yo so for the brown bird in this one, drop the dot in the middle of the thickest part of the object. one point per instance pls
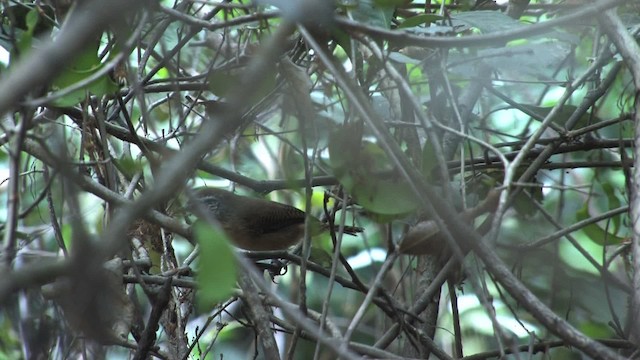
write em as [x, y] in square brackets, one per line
[257, 224]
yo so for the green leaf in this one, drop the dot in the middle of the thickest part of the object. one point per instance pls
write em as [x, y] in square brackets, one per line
[488, 21]
[85, 65]
[364, 170]
[343, 39]
[596, 330]
[345, 140]
[594, 232]
[27, 22]
[429, 160]
[388, 3]
[522, 202]
[67, 235]
[24, 38]
[369, 13]
[533, 59]
[35, 19]
[221, 83]
[419, 20]
[385, 197]
[32, 19]
[614, 203]
[130, 166]
[320, 256]
[217, 268]
[402, 58]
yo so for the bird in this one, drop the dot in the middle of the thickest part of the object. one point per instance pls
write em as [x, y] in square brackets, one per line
[256, 224]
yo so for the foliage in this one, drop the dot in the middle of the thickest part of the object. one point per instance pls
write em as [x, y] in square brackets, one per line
[486, 150]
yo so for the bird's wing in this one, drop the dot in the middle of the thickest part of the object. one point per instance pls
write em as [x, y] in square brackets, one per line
[281, 217]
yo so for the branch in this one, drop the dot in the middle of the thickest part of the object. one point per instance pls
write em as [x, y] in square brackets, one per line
[630, 51]
[44, 63]
[403, 38]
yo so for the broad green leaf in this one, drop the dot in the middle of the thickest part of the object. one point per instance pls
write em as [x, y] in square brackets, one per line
[488, 21]
[369, 13]
[534, 59]
[364, 170]
[596, 330]
[85, 65]
[388, 3]
[419, 20]
[29, 22]
[130, 166]
[346, 140]
[522, 202]
[429, 160]
[343, 39]
[321, 257]
[403, 59]
[32, 19]
[25, 38]
[222, 82]
[67, 235]
[594, 232]
[613, 203]
[36, 19]
[217, 268]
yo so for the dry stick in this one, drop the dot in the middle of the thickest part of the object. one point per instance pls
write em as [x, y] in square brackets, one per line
[538, 309]
[197, 27]
[104, 69]
[455, 229]
[293, 312]
[159, 33]
[426, 122]
[388, 263]
[48, 60]
[550, 149]
[575, 227]
[259, 316]
[420, 304]
[200, 333]
[380, 129]
[457, 331]
[402, 84]
[426, 194]
[260, 186]
[173, 175]
[489, 256]
[334, 267]
[335, 332]
[428, 267]
[630, 51]
[13, 200]
[498, 37]
[385, 302]
[148, 338]
[177, 280]
[55, 224]
[606, 274]
[89, 185]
